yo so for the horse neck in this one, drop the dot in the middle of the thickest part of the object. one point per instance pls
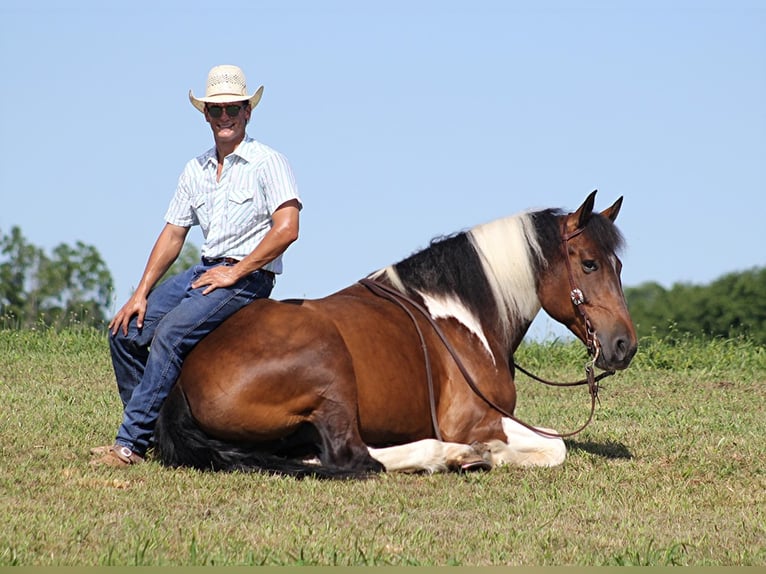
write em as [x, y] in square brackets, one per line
[511, 257]
[513, 337]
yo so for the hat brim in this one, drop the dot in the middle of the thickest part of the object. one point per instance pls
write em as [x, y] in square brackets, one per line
[199, 103]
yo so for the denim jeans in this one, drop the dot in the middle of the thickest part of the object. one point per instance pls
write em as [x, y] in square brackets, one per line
[147, 361]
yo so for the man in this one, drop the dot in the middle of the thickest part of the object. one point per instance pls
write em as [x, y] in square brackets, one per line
[243, 196]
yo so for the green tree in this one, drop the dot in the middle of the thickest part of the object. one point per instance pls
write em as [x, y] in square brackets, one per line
[17, 275]
[648, 305]
[738, 305]
[72, 285]
[190, 255]
[732, 306]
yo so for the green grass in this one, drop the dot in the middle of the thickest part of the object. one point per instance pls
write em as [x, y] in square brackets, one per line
[670, 472]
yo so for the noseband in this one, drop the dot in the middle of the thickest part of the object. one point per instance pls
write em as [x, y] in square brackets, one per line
[591, 342]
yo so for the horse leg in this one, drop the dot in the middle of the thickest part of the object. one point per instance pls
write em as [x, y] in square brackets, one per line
[431, 455]
[341, 444]
[526, 447]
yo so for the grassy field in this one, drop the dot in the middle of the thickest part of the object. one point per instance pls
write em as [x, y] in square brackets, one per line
[672, 471]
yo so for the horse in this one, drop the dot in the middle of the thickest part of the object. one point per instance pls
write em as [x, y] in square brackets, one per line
[355, 383]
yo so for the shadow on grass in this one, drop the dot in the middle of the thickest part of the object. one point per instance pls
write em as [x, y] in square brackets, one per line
[608, 449]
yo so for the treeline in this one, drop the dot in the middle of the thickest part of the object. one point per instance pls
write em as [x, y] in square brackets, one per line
[732, 306]
[69, 286]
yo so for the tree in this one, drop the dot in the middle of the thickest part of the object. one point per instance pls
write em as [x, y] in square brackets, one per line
[733, 305]
[188, 257]
[72, 285]
[16, 277]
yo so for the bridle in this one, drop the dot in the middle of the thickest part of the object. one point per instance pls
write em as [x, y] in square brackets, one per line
[591, 342]
[576, 294]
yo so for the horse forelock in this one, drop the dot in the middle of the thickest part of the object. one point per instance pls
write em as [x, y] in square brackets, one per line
[511, 255]
[599, 229]
[602, 231]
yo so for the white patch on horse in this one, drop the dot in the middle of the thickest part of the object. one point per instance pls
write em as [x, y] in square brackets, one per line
[390, 274]
[429, 455]
[526, 447]
[507, 248]
[446, 307]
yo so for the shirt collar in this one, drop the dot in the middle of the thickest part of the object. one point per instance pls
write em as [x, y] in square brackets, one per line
[245, 150]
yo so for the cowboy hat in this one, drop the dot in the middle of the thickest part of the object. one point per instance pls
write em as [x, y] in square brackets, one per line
[226, 84]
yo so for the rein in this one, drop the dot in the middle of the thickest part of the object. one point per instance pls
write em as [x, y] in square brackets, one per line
[591, 342]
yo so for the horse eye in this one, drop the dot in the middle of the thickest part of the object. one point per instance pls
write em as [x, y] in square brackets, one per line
[589, 266]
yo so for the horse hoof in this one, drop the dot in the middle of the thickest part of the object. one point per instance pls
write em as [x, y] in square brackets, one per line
[482, 449]
[475, 464]
[479, 459]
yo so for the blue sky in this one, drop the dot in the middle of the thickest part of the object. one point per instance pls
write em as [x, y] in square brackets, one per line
[403, 120]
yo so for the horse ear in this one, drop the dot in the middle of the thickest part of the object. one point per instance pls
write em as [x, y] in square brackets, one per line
[611, 212]
[579, 218]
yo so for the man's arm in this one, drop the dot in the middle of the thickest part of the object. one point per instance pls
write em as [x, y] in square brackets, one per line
[166, 249]
[284, 230]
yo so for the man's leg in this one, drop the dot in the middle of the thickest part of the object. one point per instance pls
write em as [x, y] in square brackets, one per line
[130, 352]
[175, 335]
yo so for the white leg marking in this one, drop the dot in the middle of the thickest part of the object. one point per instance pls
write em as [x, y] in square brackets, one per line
[428, 455]
[526, 447]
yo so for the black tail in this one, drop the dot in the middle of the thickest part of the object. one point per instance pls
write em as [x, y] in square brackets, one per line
[180, 442]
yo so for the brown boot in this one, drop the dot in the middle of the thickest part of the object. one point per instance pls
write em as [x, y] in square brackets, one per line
[118, 456]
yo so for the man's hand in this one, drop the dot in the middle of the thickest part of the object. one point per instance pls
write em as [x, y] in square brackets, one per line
[221, 276]
[136, 305]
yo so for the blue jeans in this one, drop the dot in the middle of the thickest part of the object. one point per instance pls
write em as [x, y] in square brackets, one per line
[147, 361]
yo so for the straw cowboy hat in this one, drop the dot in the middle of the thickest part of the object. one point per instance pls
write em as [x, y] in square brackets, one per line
[226, 84]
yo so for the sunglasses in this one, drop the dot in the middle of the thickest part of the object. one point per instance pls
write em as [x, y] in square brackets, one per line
[232, 110]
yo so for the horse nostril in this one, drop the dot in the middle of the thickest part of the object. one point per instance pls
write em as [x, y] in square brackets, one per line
[621, 348]
[624, 350]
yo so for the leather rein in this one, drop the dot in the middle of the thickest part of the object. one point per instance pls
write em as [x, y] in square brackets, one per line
[591, 342]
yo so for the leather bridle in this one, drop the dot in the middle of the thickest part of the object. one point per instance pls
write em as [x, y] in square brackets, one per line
[591, 342]
[576, 294]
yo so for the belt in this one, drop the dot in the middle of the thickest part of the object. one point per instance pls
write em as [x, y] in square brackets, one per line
[232, 261]
[217, 260]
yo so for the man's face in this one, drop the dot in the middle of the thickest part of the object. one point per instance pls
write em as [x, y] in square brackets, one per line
[228, 121]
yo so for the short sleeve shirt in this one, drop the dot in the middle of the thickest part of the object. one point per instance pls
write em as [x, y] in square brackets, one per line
[235, 212]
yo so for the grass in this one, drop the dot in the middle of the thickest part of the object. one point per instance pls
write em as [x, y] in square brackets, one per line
[670, 472]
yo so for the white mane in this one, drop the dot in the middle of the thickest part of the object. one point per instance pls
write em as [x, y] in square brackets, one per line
[506, 247]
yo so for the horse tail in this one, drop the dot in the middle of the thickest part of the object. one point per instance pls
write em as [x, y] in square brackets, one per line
[179, 441]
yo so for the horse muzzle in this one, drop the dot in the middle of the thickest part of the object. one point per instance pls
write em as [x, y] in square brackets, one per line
[615, 352]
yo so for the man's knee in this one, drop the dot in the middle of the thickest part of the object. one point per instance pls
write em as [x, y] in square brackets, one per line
[117, 342]
[130, 344]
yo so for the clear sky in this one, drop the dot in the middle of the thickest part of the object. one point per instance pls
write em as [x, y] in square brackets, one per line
[402, 120]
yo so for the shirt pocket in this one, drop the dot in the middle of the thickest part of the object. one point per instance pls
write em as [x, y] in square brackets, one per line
[241, 207]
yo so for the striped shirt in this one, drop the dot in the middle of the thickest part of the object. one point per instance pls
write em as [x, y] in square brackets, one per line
[235, 212]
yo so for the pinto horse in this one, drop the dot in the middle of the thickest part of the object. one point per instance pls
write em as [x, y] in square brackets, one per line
[353, 383]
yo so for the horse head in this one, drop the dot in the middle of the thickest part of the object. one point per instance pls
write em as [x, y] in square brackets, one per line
[582, 288]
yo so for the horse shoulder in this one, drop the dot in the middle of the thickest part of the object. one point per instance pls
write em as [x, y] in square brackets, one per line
[472, 369]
